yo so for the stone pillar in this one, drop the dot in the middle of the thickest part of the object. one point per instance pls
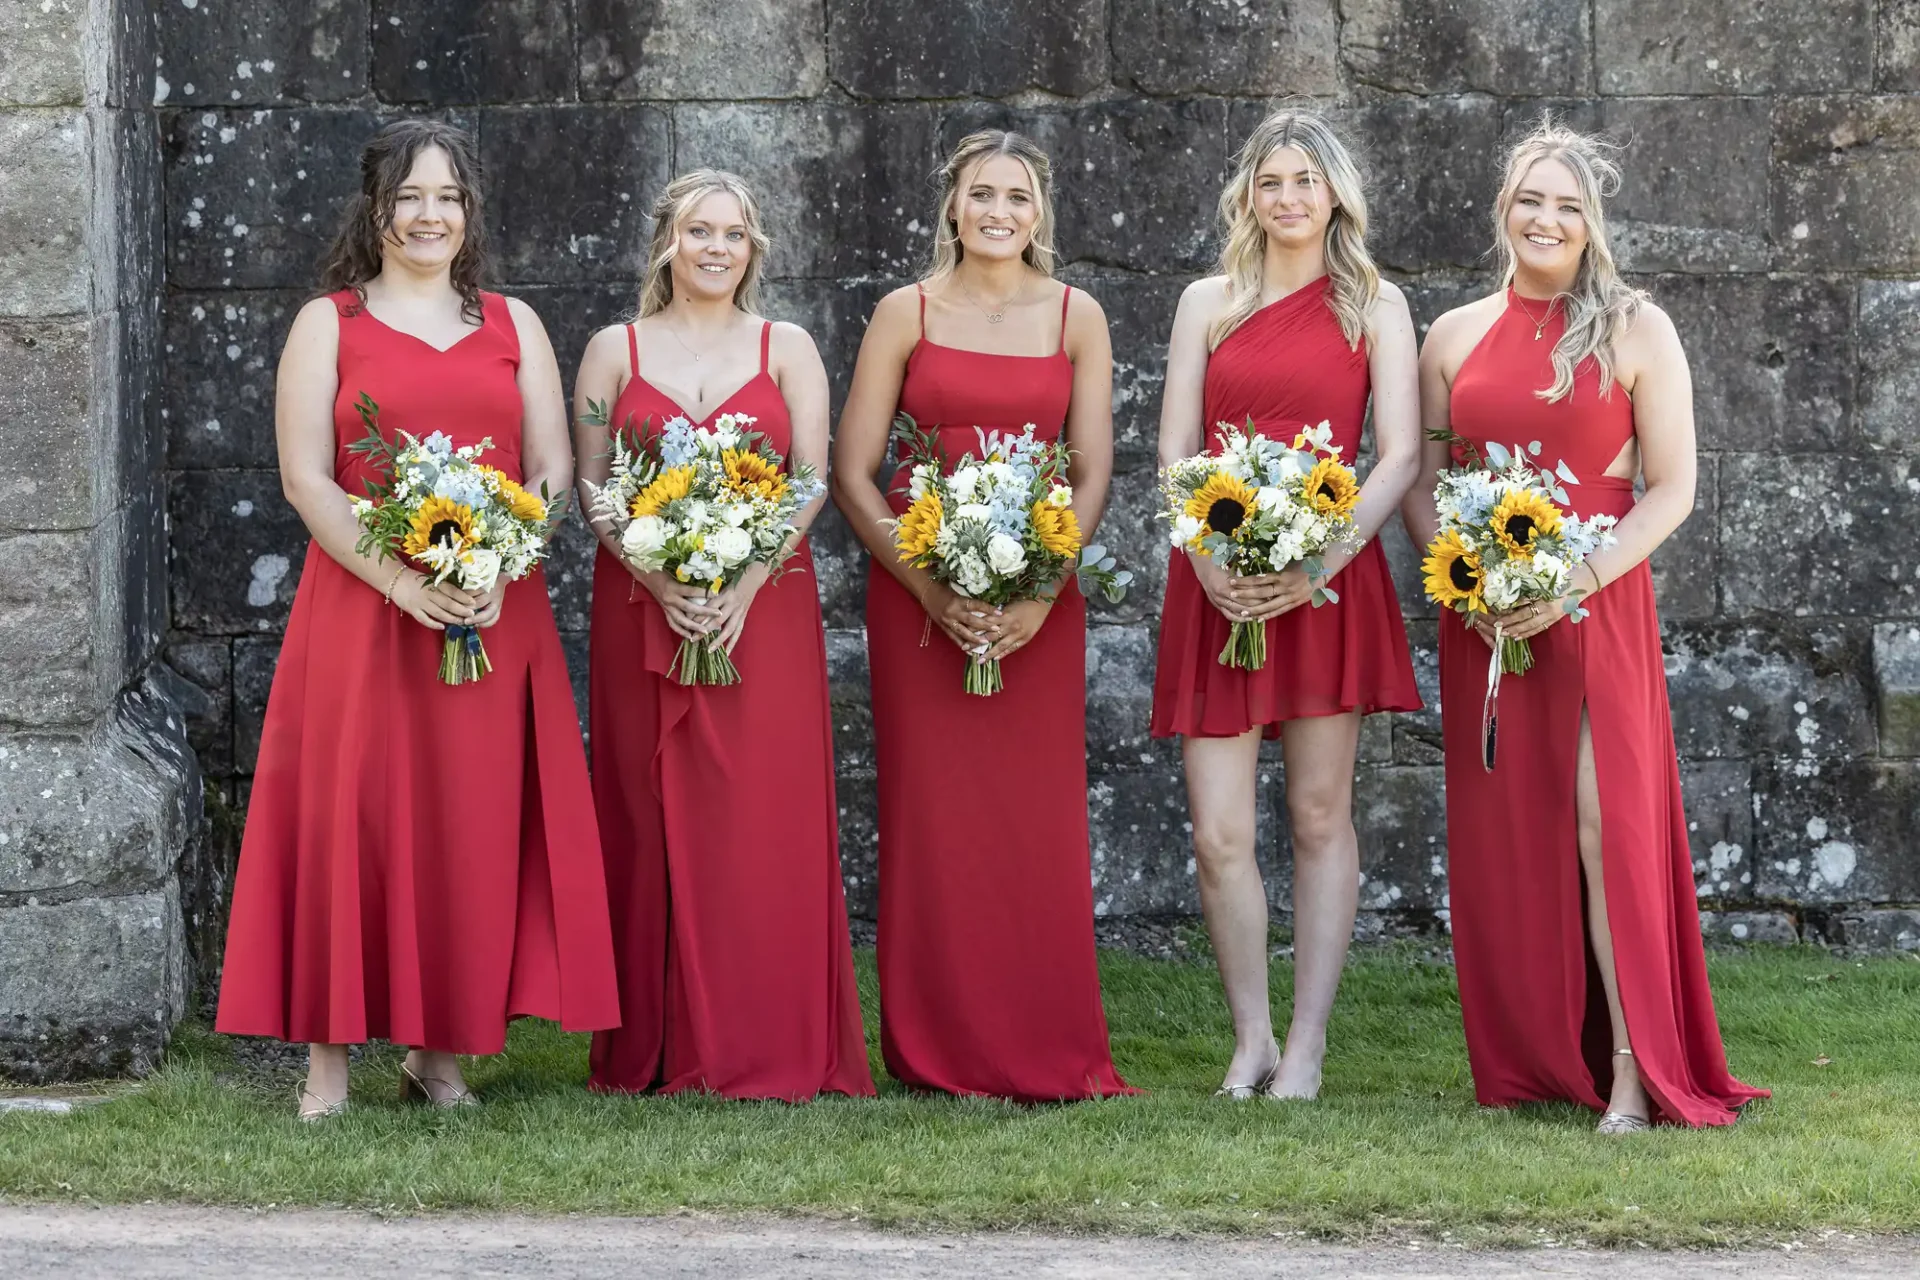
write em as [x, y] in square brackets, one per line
[99, 794]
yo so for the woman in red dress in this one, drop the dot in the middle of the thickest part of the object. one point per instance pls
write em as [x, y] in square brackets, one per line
[988, 983]
[1298, 329]
[420, 861]
[1578, 940]
[716, 803]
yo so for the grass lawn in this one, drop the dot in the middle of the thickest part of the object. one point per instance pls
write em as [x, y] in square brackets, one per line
[1396, 1144]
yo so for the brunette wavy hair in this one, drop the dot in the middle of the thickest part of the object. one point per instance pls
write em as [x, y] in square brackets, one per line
[385, 162]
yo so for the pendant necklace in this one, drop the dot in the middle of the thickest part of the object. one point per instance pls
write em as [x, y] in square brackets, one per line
[993, 316]
[1539, 326]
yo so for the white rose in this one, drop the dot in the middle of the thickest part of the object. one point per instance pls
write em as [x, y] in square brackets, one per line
[1185, 530]
[645, 543]
[729, 545]
[479, 569]
[973, 511]
[1269, 499]
[963, 483]
[1006, 555]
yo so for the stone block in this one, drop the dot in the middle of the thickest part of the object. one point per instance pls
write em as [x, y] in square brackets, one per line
[1139, 322]
[582, 221]
[484, 51]
[224, 52]
[1694, 192]
[136, 221]
[1686, 566]
[1400, 815]
[43, 60]
[1431, 296]
[236, 554]
[1416, 734]
[833, 312]
[222, 353]
[686, 49]
[973, 48]
[572, 314]
[50, 629]
[46, 165]
[1889, 345]
[1142, 844]
[1772, 359]
[1837, 831]
[1896, 677]
[1256, 47]
[841, 563]
[254, 660]
[1844, 171]
[1136, 182]
[1897, 48]
[859, 845]
[1748, 928]
[1120, 702]
[1895, 930]
[1781, 690]
[1832, 513]
[1742, 47]
[51, 472]
[254, 197]
[815, 168]
[1468, 46]
[1403, 561]
[569, 572]
[206, 668]
[1718, 795]
[1133, 531]
[850, 696]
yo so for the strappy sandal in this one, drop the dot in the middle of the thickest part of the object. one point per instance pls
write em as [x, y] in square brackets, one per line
[414, 1088]
[1615, 1123]
[324, 1111]
[1247, 1092]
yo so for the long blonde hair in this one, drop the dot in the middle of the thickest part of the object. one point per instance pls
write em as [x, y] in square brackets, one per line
[1355, 281]
[1600, 306]
[670, 213]
[974, 148]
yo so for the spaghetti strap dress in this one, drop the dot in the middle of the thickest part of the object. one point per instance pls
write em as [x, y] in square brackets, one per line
[1530, 992]
[988, 980]
[420, 861]
[1287, 367]
[716, 807]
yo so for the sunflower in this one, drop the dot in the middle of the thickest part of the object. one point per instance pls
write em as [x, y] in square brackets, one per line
[1057, 527]
[440, 520]
[1221, 505]
[1453, 574]
[919, 526]
[1331, 489]
[669, 486]
[1521, 516]
[522, 504]
[751, 475]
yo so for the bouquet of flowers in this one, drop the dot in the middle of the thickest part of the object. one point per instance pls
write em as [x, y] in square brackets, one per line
[1504, 538]
[702, 504]
[1257, 506]
[997, 527]
[452, 518]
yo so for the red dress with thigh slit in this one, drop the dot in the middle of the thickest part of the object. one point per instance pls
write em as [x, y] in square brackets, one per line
[1530, 993]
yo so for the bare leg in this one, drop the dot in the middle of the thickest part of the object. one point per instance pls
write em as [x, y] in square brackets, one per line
[438, 1072]
[326, 1077]
[1223, 796]
[1326, 886]
[1628, 1097]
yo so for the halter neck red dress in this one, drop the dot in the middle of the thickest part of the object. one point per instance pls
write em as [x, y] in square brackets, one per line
[420, 861]
[1288, 366]
[1530, 994]
[988, 982]
[717, 811]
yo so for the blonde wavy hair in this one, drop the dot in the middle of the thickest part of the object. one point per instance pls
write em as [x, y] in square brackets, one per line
[1355, 279]
[973, 149]
[1600, 306]
[670, 213]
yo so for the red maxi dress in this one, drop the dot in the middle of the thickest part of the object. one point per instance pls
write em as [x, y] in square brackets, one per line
[988, 981]
[1530, 993]
[420, 861]
[717, 810]
[1288, 366]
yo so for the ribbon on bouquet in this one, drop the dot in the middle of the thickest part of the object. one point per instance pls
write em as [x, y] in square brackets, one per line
[1490, 707]
[467, 636]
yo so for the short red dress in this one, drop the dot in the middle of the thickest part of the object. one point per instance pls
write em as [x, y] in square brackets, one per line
[420, 861]
[1288, 366]
[716, 806]
[988, 979]
[1530, 993]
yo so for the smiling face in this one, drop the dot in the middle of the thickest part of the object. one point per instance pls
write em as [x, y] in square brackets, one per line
[1546, 223]
[429, 215]
[713, 250]
[996, 208]
[1291, 198]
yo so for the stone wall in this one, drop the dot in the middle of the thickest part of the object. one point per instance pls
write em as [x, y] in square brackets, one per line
[99, 797]
[1770, 206]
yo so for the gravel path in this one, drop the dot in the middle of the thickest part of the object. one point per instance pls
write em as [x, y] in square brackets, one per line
[41, 1242]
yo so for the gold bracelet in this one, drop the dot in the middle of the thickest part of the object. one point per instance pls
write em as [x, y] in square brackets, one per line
[387, 596]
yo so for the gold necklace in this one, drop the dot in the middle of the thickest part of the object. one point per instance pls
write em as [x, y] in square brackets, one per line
[1539, 326]
[993, 317]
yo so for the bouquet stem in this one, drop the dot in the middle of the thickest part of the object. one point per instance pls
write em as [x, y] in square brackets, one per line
[1246, 646]
[983, 676]
[1516, 656]
[703, 662]
[463, 658]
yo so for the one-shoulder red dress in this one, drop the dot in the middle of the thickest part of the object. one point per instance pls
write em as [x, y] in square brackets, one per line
[988, 981]
[1530, 993]
[1288, 366]
[420, 861]
[716, 807]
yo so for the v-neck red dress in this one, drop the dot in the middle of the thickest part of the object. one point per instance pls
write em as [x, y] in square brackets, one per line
[988, 979]
[420, 861]
[717, 811]
[1536, 1014]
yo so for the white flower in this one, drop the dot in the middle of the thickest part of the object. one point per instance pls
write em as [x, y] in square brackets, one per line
[1185, 530]
[737, 513]
[1286, 549]
[729, 545]
[963, 483]
[1006, 555]
[699, 515]
[645, 543]
[971, 574]
[479, 569]
[973, 511]
[1269, 498]
[1060, 496]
